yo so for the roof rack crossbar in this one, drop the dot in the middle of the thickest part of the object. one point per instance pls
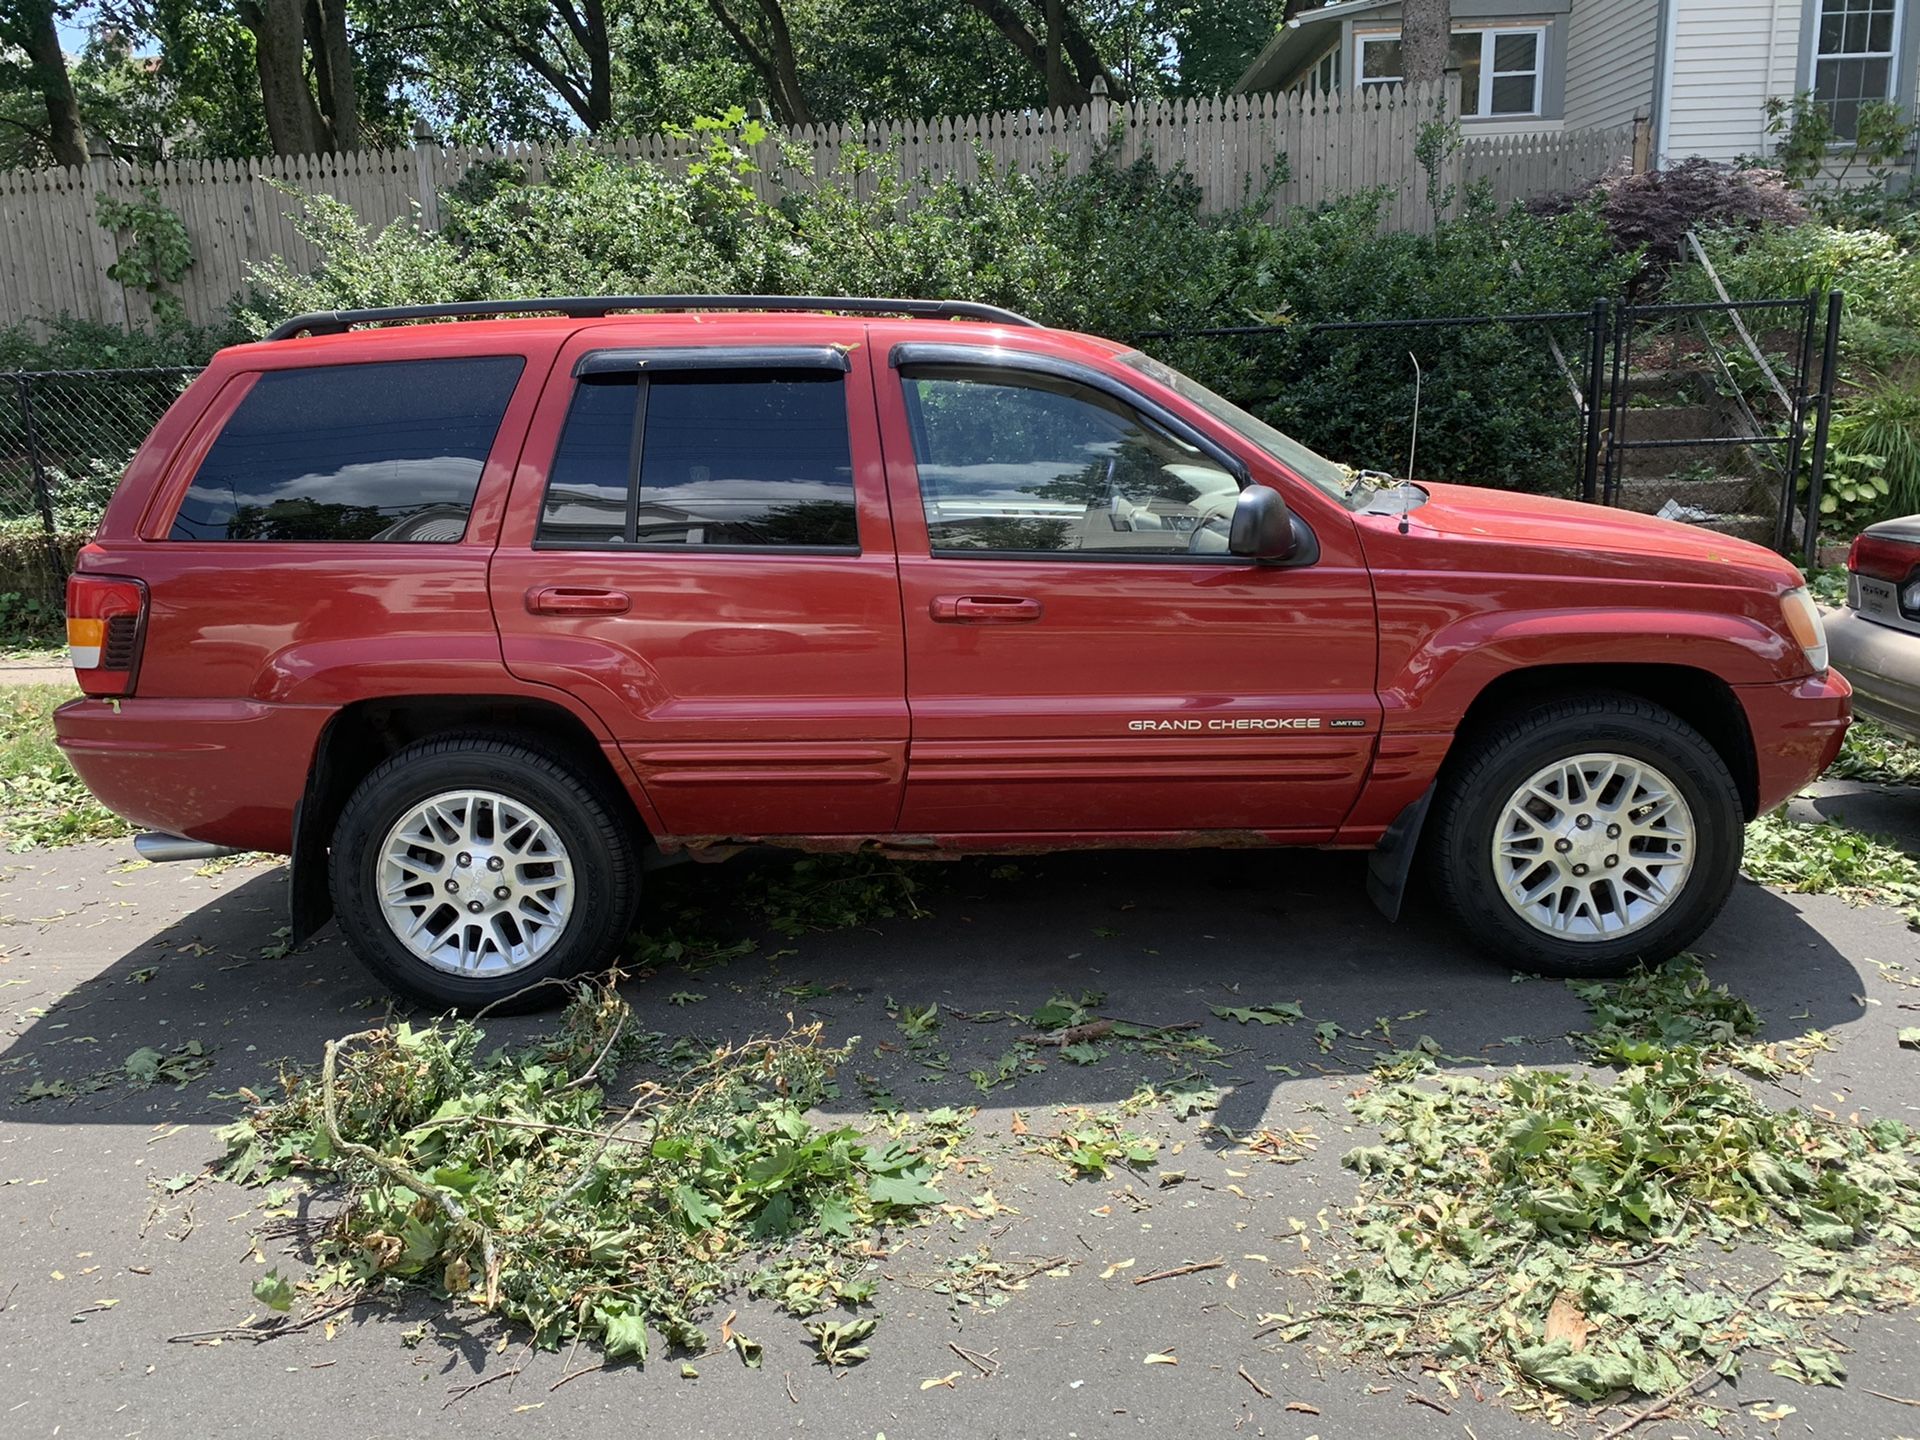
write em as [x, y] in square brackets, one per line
[338, 322]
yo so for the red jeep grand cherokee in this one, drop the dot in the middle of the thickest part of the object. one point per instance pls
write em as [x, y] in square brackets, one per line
[463, 617]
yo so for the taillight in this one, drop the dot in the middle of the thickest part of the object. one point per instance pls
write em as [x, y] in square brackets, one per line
[106, 622]
[1884, 558]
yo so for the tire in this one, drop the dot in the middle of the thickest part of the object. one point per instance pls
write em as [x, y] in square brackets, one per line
[1574, 911]
[547, 892]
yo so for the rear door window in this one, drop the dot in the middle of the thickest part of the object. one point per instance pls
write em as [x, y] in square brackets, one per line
[390, 451]
[721, 459]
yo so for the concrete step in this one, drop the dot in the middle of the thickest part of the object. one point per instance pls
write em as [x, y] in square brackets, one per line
[1673, 422]
[1682, 387]
[1671, 459]
[1726, 495]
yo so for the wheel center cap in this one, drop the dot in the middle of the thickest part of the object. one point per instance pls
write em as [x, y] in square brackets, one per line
[1589, 847]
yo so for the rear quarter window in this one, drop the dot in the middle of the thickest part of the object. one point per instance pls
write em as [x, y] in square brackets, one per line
[390, 451]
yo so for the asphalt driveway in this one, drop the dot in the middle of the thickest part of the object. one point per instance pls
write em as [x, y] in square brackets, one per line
[102, 1265]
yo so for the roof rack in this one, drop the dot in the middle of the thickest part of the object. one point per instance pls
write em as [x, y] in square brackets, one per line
[338, 322]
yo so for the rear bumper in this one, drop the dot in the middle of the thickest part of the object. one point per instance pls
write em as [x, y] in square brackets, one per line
[1884, 666]
[1797, 728]
[229, 772]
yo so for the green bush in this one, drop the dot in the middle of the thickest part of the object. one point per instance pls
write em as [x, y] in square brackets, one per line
[75, 344]
[1883, 422]
[1118, 250]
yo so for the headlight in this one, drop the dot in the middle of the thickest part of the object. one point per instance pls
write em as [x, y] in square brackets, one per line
[1804, 624]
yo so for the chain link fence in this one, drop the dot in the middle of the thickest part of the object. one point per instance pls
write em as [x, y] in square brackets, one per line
[65, 437]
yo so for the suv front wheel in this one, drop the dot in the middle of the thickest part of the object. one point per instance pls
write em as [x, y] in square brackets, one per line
[466, 869]
[1584, 835]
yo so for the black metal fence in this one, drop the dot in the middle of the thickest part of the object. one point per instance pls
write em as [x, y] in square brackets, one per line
[65, 436]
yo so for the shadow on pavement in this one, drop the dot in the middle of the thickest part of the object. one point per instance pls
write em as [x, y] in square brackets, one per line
[1162, 937]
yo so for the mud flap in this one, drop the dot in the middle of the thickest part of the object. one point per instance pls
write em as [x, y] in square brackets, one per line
[309, 901]
[1392, 859]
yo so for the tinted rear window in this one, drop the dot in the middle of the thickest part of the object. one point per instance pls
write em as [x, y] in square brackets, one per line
[390, 452]
[745, 459]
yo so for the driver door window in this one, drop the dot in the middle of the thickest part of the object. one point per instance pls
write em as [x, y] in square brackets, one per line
[1027, 464]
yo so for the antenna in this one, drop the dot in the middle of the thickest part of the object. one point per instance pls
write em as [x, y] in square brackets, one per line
[1414, 443]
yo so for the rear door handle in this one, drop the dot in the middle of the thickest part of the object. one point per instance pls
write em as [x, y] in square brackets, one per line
[577, 600]
[983, 609]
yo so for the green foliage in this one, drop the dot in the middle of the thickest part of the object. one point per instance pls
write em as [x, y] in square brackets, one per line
[1827, 858]
[157, 252]
[1090, 1143]
[44, 802]
[1879, 269]
[1498, 1214]
[1652, 1011]
[1807, 146]
[1118, 251]
[508, 1181]
[1870, 753]
[72, 343]
[1876, 438]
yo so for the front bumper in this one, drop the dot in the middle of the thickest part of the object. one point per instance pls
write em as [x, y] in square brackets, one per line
[1884, 665]
[1797, 727]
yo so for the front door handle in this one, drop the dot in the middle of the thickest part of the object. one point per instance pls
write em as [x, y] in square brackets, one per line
[983, 609]
[577, 600]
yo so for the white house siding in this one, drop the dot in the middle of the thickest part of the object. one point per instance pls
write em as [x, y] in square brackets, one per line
[1729, 56]
[1611, 47]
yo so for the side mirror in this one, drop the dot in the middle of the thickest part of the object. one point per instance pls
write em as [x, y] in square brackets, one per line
[1262, 525]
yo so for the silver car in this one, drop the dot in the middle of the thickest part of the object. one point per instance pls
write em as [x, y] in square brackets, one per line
[1875, 641]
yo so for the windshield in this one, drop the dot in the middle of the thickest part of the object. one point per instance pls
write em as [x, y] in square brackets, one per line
[1335, 479]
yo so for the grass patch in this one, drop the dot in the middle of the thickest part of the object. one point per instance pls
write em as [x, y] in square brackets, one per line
[510, 1182]
[42, 802]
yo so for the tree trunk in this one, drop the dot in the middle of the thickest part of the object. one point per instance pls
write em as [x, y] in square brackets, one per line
[1044, 57]
[279, 51]
[334, 72]
[774, 63]
[1426, 27]
[1059, 84]
[794, 109]
[1087, 60]
[48, 69]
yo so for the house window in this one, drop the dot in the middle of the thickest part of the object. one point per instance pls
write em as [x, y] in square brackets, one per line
[1323, 75]
[1853, 53]
[1500, 70]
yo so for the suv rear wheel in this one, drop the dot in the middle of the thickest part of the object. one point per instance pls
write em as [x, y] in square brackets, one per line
[466, 869]
[1585, 835]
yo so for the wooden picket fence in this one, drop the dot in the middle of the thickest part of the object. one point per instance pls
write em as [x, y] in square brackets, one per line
[240, 213]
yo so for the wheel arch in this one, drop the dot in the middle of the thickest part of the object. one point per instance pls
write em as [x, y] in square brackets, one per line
[360, 735]
[1697, 696]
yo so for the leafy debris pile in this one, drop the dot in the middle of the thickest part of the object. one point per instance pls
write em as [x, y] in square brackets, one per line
[508, 1181]
[1870, 753]
[1829, 859]
[1541, 1229]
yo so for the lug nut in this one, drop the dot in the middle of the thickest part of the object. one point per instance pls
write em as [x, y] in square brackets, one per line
[463, 858]
[1585, 822]
[453, 887]
[494, 862]
[1579, 869]
[1562, 845]
[1613, 832]
[1612, 860]
[500, 892]
[475, 906]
